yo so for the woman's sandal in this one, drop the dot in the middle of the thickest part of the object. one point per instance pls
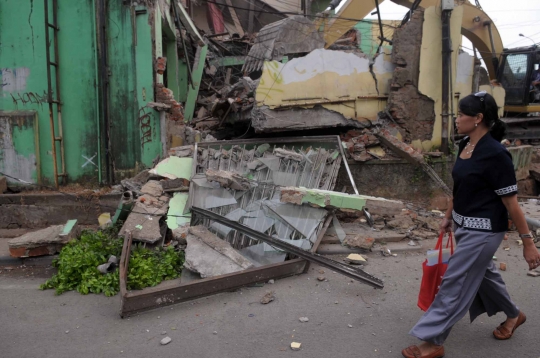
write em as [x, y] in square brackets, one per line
[414, 352]
[502, 333]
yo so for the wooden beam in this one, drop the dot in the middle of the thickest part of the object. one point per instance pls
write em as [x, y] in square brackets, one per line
[237, 23]
[250, 21]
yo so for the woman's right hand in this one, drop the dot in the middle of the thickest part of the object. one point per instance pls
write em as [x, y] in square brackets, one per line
[445, 225]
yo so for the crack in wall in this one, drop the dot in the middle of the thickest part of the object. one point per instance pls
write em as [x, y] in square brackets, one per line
[32, 27]
[371, 63]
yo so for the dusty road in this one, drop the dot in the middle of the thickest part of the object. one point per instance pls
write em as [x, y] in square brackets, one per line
[38, 324]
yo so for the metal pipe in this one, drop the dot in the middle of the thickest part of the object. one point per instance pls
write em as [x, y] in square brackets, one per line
[446, 52]
[104, 86]
[58, 96]
[49, 94]
[96, 102]
[340, 144]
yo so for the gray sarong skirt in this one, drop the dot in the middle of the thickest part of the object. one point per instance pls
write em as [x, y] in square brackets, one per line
[471, 283]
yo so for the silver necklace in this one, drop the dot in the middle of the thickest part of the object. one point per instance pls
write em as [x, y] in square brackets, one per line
[467, 146]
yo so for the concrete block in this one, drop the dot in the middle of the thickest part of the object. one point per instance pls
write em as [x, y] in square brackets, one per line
[144, 222]
[211, 256]
[332, 199]
[152, 188]
[228, 179]
[47, 241]
[360, 241]
[3, 184]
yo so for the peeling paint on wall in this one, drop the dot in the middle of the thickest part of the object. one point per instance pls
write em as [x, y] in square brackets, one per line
[13, 79]
[339, 81]
[17, 148]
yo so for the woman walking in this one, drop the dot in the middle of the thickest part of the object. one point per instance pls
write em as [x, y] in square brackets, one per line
[485, 191]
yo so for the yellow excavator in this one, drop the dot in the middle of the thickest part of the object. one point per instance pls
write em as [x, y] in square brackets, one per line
[513, 69]
[519, 75]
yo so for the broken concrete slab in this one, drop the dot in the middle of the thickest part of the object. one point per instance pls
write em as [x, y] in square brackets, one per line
[135, 184]
[174, 168]
[400, 148]
[176, 219]
[144, 223]
[210, 256]
[153, 188]
[47, 241]
[227, 179]
[326, 198]
[182, 152]
[402, 222]
[174, 185]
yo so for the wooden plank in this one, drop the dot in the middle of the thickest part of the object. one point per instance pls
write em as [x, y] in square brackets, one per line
[173, 291]
[237, 23]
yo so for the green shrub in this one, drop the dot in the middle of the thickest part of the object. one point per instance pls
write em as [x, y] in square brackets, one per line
[78, 261]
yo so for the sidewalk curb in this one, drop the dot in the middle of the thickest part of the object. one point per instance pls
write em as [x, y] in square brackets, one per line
[27, 261]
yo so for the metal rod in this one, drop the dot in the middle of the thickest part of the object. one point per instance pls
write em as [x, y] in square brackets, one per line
[347, 166]
[58, 95]
[49, 94]
[343, 269]
[446, 63]
[178, 24]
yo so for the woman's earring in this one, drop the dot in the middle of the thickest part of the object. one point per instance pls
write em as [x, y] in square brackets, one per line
[476, 124]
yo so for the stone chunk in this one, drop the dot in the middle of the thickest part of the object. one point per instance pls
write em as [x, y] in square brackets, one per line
[533, 273]
[360, 241]
[152, 188]
[165, 341]
[295, 346]
[402, 149]
[401, 222]
[47, 241]
[228, 179]
[211, 256]
[268, 297]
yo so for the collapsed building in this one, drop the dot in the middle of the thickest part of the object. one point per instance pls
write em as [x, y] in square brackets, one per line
[170, 73]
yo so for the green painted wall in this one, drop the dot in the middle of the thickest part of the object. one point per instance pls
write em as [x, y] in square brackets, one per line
[23, 75]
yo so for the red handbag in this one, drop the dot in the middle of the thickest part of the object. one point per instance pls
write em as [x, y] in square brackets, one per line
[432, 275]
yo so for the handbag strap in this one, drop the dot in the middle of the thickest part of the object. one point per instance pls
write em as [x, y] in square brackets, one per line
[450, 242]
[439, 241]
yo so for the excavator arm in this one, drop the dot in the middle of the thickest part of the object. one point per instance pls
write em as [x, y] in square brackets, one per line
[477, 26]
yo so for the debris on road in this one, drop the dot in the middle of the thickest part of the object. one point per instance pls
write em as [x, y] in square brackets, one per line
[210, 256]
[47, 241]
[355, 259]
[502, 266]
[295, 346]
[165, 341]
[268, 297]
[303, 319]
[533, 273]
